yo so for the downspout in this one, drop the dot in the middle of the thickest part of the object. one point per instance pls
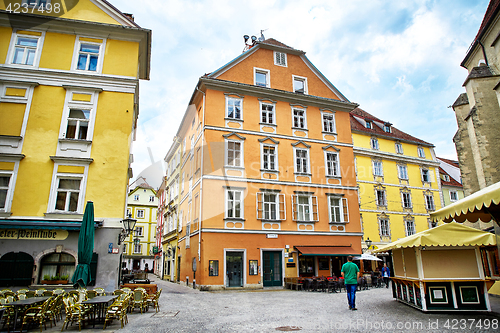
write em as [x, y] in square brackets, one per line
[484, 53]
[201, 175]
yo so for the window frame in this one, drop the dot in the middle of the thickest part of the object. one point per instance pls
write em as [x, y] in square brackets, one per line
[410, 224]
[331, 122]
[335, 168]
[278, 63]
[263, 147]
[402, 167]
[409, 201]
[456, 196]
[381, 222]
[241, 202]
[241, 155]
[430, 205]
[343, 209]
[140, 213]
[213, 271]
[398, 146]
[296, 118]
[264, 71]
[374, 143]
[312, 204]
[302, 79]
[273, 112]
[137, 248]
[79, 206]
[425, 173]
[279, 202]
[378, 169]
[139, 231]
[76, 54]
[232, 98]
[70, 104]
[420, 152]
[384, 195]
[10, 189]
[54, 186]
[306, 158]
[38, 50]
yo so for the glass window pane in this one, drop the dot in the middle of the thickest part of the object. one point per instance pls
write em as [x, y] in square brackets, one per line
[93, 63]
[71, 129]
[31, 57]
[30, 42]
[4, 181]
[298, 86]
[73, 202]
[84, 127]
[70, 184]
[82, 62]
[79, 114]
[18, 56]
[89, 48]
[61, 201]
[260, 79]
[3, 197]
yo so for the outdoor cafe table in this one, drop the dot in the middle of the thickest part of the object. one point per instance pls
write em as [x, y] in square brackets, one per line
[99, 305]
[25, 303]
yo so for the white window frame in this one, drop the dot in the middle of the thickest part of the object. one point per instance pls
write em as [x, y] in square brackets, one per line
[402, 171]
[267, 112]
[306, 159]
[38, 50]
[374, 143]
[429, 202]
[241, 163]
[263, 147]
[399, 148]
[328, 164]
[233, 204]
[188, 235]
[55, 186]
[378, 171]
[456, 196]
[151, 198]
[262, 71]
[76, 55]
[425, 173]
[421, 152]
[262, 206]
[312, 205]
[409, 201]
[368, 124]
[378, 203]
[342, 209]
[10, 189]
[300, 79]
[384, 230]
[140, 213]
[298, 118]
[136, 197]
[79, 105]
[234, 99]
[281, 56]
[139, 231]
[137, 248]
[410, 228]
[331, 123]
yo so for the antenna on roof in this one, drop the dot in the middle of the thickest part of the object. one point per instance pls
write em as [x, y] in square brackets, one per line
[262, 38]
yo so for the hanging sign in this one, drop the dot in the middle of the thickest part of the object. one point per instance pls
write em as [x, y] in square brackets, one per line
[33, 234]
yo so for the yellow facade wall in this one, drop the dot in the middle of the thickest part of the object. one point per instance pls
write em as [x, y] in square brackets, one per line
[5, 36]
[11, 118]
[121, 58]
[57, 51]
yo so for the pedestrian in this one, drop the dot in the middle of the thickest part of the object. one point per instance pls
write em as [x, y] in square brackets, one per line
[350, 273]
[386, 273]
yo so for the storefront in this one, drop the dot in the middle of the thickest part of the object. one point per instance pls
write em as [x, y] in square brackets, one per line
[322, 260]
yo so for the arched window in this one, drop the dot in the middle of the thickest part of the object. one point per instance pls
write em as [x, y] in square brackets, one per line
[57, 264]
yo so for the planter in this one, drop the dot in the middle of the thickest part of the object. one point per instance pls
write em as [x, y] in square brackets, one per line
[54, 281]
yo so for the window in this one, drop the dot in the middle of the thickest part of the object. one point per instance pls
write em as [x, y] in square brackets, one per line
[432, 224]
[338, 209]
[4, 189]
[280, 58]
[68, 191]
[234, 153]
[136, 197]
[446, 178]
[380, 198]
[409, 228]
[270, 206]
[138, 231]
[402, 172]
[299, 84]
[188, 235]
[129, 213]
[137, 248]
[332, 164]
[234, 108]
[429, 202]
[301, 161]
[368, 124]
[151, 198]
[420, 152]
[234, 207]
[406, 199]
[140, 213]
[377, 168]
[57, 264]
[399, 148]
[79, 116]
[269, 158]
[305, 208]
[374, 143]
[453, 196]
[213, 268]
[384, 226]
[88, 57]
[426, 176]
[267, 113]
[261, 77]
[299, 118]
[78, 124]
[328, 123]
[387, 128]
[25, 50]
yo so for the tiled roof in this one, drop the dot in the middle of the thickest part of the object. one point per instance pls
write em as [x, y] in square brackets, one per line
[451, 162]
[377, 129]
[452, 181]
[272, 41]
[140, 182]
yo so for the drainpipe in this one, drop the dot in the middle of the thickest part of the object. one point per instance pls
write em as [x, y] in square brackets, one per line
[484, 54]
[201, 174]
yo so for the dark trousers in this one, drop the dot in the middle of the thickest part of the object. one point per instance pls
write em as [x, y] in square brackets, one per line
[351, 294]
[386, 280]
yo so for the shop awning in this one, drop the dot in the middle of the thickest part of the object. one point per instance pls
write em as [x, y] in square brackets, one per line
[448, 234]
[326, 250]
[480, 205]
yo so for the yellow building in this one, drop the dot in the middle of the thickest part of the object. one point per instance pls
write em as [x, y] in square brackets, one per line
[398, 179]
[267, 182]
[142, 206]
[68, 111]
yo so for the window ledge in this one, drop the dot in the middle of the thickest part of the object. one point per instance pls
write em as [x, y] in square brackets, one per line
[5, 214]
[234, 167]
[329, 133]
[267, 124]
[75, 140]
[333, 177]
[239, 219]
[270, 171]
[307, 221]
[63, 215]
[300, 129]
[234, 119]
[271, 221]
[340, 223]
[303, 174]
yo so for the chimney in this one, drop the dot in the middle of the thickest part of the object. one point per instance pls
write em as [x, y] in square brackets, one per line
[130, 16]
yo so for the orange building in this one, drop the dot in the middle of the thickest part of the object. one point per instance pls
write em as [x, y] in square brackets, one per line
[267, 180]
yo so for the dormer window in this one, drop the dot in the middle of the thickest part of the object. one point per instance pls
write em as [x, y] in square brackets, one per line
[261, 77]
[387, 128]
[280, 58]
[299, 84]
[368, 124]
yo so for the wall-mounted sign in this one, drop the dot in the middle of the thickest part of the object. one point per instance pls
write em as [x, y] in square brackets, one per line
[272, 235]
[116, 250]
[33, 234]
[110, 248]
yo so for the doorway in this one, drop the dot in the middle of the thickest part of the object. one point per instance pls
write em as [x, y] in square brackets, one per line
[234, 269]
[272, 271]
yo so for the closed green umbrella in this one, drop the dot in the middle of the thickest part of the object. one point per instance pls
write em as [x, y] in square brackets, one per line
[82, 276]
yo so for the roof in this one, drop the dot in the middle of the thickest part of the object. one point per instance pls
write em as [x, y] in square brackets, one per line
[452, 181]
[140, 182]
[358, 117]
[452, 162]
[272, 41]
[480, 205]
[488, 18]
[448, 234]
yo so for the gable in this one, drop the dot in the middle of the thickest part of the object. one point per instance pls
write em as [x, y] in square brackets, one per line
[242, 69]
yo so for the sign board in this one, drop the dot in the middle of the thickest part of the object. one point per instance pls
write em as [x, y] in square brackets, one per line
[33, 234]
[116, 250]
[110, 248]
[271, 235]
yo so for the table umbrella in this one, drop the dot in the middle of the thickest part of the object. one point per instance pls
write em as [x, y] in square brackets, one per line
[82, 277]
[366, 256]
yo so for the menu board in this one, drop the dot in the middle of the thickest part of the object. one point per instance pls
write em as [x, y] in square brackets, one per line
[418, 297]
[405, 295]
[399, 290]
[411, 294]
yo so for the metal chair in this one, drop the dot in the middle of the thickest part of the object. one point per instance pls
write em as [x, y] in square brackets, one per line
[154, 300]
[139, 300]
[118, 310]
[37, 314]
[100, 291]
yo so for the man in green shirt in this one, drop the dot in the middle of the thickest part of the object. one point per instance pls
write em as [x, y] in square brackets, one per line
[350, 273]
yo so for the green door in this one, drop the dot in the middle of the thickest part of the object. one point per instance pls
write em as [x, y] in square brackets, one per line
[272, 269]
[16, 269]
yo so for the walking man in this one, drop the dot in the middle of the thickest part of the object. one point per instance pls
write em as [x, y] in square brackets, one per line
[350, 273]
[385, 274]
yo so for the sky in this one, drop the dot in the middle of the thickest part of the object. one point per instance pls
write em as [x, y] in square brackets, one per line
[399, 60]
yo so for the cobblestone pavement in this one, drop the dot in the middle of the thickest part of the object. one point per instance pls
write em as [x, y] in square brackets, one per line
[183, 309]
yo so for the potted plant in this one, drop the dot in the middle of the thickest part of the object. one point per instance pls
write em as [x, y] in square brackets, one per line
[55, 279]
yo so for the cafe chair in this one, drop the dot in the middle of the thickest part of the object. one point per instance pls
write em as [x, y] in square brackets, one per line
[127, 290]
[30, 294]
[74, 294]
[75, 312]
[58, 291]
[22, 291]
[8, 313]
[153, 300]
[37, 314]
[139, 300]
[9, 293]
[39, 292]
[117, 310]
[4, 290]
[91, 294]
[100, 291]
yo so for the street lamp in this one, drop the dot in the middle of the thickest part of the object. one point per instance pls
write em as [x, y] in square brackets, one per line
[368, 242]
[128, 227]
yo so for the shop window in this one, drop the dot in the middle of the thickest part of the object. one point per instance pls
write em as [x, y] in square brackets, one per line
[306, 265]
[213, 268]
[57, 264]
[323, 264]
